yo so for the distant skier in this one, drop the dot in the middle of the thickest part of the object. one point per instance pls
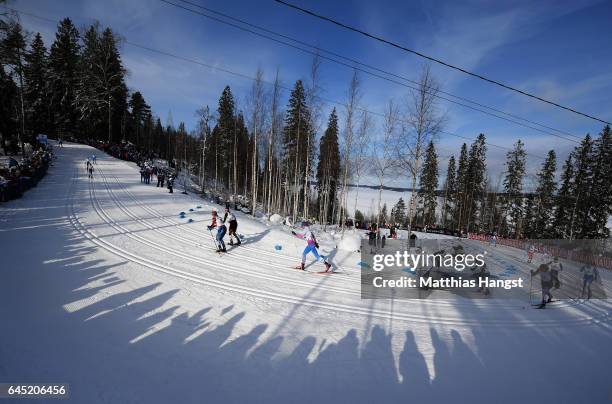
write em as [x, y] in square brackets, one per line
[217, 223]
[171, 184]
[530, 253]
[87, 164]
[93, 159]
[589, 275]
[230, 218]
[90, 170]
[61, 143]
[546, 283]
[494, 240]
[555, 270]
[311, 246]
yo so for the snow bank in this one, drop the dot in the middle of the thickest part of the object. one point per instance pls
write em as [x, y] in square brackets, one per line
[276, 219]
[350, 242]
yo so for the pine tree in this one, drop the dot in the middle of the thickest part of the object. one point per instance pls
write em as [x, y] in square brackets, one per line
[223, 135]
[101, 94]
[564, 200]
[475, 182]
[461, 190]
[359, 217]
[37, 87]
[580, 222]
[398, 213]
[513, 187]
[384, 217]
[64, 65]
[140, 112]
[545, 198]
[12, 53]
[529, 220]
[328, 169]
[8, 118]
[429, 184]
[600, 196]
[450, 190]
[295, 134]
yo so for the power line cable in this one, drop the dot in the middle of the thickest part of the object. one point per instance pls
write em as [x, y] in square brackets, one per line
[422, 55]
[316, 53]
[318, 48]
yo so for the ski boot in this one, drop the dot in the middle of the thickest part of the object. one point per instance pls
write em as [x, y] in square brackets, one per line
[327, 266]
[542, 306]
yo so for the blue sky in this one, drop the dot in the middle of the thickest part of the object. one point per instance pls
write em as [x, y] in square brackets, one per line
[559, 50]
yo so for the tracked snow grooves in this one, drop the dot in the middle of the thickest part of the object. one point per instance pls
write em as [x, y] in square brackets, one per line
[436, 302]
[158, 215]
[163, 218]
[205, 262]
[279, 296]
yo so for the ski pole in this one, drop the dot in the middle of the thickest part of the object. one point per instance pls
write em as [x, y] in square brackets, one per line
[530, 285]
[213, 238]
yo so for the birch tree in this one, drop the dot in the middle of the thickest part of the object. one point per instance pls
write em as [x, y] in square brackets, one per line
[352, 104]
[424, 122]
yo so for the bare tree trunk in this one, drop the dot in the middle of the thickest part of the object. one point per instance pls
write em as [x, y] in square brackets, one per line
[424, 123]
[351, 106]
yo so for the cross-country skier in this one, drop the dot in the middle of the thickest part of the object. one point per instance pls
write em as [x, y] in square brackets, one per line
[230, 218]
[311, 246]
[555, 269]
[90, 170]
[217, 223]
[588, 276]
[93, 159]
[546, 282]
[530, 253]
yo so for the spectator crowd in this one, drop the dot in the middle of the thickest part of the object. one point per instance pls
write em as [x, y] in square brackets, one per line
[19, 176]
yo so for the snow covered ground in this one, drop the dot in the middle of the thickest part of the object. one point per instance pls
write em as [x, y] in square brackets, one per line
[103, 286]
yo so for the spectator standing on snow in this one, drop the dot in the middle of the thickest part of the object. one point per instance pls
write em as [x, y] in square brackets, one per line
[160, 179]
[230, 218]
[218, 224]
[311, 247]
[171, 184]
[546, 282]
